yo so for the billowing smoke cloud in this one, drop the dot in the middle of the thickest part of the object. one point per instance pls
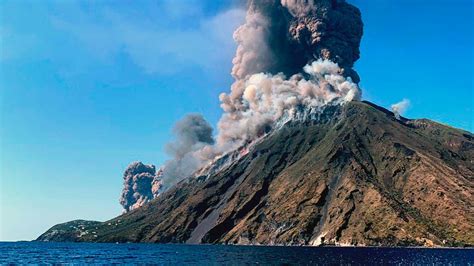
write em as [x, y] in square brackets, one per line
[190, 149]
[284, 36]
[400, 108]
[266, 99]
[192, 133]
[193, 137]
[313, 43]
[141, 184]
[293, 58]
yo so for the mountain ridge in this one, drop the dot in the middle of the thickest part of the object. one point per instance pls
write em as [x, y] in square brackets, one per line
[355, 176]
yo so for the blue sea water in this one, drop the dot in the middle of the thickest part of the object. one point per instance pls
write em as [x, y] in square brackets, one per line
[81, 253]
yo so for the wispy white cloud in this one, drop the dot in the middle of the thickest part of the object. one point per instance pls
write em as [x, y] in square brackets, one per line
[400, 108]
[157, 44]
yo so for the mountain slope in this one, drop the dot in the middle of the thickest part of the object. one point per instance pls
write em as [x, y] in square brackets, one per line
[354, 175]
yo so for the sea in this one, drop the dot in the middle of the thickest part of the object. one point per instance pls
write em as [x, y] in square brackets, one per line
[172, 254]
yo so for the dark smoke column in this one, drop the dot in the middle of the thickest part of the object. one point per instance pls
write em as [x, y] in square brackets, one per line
[141, 184]
[285, 35]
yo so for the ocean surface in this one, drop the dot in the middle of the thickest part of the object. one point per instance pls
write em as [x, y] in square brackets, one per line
[38, 252]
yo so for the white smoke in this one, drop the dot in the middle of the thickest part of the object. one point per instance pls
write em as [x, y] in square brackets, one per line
[262, 95]
[260, 100]
[400, 108]
[254, 106]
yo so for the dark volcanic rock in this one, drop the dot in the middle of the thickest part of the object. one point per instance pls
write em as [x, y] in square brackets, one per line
[356, 175]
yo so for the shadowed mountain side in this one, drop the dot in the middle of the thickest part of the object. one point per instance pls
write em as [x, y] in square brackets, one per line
[356, 176]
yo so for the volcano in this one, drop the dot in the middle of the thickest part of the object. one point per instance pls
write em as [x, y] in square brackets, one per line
[354, 174]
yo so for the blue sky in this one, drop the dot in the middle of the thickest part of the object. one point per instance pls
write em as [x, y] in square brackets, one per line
[88, 87]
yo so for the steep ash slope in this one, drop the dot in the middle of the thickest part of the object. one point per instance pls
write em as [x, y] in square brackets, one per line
[355, 175]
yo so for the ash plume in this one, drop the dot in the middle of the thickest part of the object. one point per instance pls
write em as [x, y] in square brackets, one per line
[290, 53]
[293, 57]
[139, 182]
[192, 132]
[283, 36]
[193, 137]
